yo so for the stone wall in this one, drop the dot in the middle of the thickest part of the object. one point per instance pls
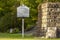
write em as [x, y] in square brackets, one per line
[48, 16]
[51, 32]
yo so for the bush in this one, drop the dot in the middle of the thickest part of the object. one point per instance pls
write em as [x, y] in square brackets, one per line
[15, 30]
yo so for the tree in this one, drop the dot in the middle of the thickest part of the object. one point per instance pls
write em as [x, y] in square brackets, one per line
[8, 13]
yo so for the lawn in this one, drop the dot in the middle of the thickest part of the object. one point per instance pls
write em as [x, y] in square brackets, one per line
[7, 36]
[27, 39]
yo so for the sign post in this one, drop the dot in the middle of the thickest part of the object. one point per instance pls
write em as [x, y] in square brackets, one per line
[23, 12]
[23, 27]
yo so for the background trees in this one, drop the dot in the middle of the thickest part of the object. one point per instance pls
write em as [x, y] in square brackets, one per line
[8, 18]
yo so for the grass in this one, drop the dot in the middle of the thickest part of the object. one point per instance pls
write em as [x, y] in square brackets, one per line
[7, 36]
[27, 39]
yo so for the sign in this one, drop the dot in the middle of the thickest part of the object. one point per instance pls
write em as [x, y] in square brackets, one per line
[22, 11]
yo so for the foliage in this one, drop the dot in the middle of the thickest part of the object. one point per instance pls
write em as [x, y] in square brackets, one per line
[8, 18]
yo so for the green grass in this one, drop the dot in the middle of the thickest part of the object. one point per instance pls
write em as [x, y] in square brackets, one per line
[8, 35]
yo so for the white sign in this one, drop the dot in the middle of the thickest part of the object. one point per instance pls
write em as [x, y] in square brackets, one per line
[22, 11]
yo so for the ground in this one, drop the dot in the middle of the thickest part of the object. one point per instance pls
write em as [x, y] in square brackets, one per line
[7, 36]
[27, 39]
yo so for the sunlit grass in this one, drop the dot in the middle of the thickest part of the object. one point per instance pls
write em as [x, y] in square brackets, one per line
[27, 39]
[7, 36]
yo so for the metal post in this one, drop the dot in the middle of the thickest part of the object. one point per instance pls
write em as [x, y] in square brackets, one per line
[22, 27]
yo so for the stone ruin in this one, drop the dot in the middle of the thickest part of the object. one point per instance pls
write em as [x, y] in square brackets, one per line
[48, 19]
[51, 32]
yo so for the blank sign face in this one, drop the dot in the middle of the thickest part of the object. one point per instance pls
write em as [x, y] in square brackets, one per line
[22, 11]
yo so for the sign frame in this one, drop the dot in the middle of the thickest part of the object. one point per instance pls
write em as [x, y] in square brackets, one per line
[22, 11]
